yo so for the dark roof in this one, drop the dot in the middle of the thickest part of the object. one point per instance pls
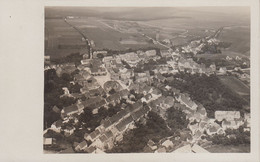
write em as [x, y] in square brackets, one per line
[137, 105]
[103, 138]
[93, 102]
[107, 123]
[83, 144]
[124, 92]
[70, 108]
[136, 115]
[94, 134]
[122, 125]
[109, 134]
[113, 97]
[122, 113]
[115, 118]
[58, 123]
[68, 150]
[90, 149]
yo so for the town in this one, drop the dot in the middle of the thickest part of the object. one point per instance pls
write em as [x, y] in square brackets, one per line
[101, 101]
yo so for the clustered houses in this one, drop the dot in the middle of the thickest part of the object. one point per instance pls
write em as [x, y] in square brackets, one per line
[112, 128]
[192, 67]
[154, 93]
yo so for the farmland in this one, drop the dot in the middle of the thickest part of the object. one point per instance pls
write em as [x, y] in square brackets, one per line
[239, 37]
[236, 85]
[125, 27]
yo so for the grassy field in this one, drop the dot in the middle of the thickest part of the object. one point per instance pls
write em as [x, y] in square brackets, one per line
[229, 149]
[239, 37]
[237, 86]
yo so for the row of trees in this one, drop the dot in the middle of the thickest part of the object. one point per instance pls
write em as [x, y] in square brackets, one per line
[72, 58]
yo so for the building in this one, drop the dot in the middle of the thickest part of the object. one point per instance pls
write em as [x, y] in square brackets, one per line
[198, 149]
[227, 115]
[81, 146]
[184, 99]
[48, 141]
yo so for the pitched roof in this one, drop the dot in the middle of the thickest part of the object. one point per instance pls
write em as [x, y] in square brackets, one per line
[136, 115]
[183, 149]
[83, 144]
[70, 109]
[107, 123]
[198, 149]
[68, 150]
[58, 123]
[90, 149]
[109, 134]
[185, 99]
[103, 138]
[94, 134]
[124, 92]
[121, 125]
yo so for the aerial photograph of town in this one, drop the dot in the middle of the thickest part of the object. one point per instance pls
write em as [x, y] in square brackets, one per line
[146, 80]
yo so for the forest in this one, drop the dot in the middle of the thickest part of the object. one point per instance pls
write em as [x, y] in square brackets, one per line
[210, 92]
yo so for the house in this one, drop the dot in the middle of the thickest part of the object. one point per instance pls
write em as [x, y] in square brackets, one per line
[203, 126]
[69, 110]
[96, 53]
[85, 62]
[69, 130]
[183, 149]
[175, 91]
[213, 129]
[81, 146]
[160, 150]
[151, 145]
[56, 126]
[56, 109]
[48, 141]
[124, 93]
[98, 151]
[122, 125]
[67, 151]
[93, 135]
[156, 93]
[228, 115]
[184, 99]
[198, 149]
[112, 85]
[167, 144]
[47, 59]
[193, 127]
[230, 124]
[201, 111]
[168, 102]
[90, 149]
[222, 70]
[166, 53]
[150, 53]
[98, 70]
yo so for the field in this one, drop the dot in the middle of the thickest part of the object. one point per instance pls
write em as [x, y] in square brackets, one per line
[121, 28]
[61, 39]
[236, 85]
[239, 37]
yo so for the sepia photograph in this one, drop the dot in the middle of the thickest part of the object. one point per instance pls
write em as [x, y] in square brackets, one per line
[147, 79]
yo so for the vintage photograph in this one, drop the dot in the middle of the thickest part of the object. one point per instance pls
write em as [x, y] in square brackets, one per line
[146, 79]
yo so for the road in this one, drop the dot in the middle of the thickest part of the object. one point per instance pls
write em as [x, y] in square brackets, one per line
[84, 36]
